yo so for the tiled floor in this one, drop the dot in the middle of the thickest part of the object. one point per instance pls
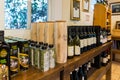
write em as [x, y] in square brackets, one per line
[115, 71]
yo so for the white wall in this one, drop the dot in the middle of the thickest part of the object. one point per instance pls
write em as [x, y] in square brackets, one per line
[114, 18]
[58, 10]
[17, 33]
[66, 14]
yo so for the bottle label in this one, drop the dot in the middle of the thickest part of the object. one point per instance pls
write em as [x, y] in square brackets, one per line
[105, 60]
[81, 43]
[83, 78]
[85, 42]
[14, 64]
[70, 51]
[3, 53]
[52, 58]
[44, 60]
[4, 72]
[24, 60]
[89, 41]
[108, 57]
[89, 64]
[77, 50]
[14, 51]
[94, 40]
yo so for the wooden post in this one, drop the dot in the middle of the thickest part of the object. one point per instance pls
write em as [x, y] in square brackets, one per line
[61, 41]
[41, 32]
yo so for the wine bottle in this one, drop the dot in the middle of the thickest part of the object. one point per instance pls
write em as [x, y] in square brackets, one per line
[89, 38]
[84, 68]
[81, 39]
[104, 58]
[94, 37]
[85, 39]
[77, 42]
[71, 76]
[70, 43]
[97, 60]
[97, 31]
[75, 74]
[80, 73]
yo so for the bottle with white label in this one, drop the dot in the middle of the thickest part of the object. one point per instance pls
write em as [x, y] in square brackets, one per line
[85, 39]
[94, 37]
[89, 37]
[104, 58]
[84, 68]
[71, 76]
[32, 51]
[52, 56]
[44, 58]
[77, 43]
[70, 43]
[80, 73]
[81, 40]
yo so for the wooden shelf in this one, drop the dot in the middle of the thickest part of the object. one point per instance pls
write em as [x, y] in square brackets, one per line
[62, 71]
[115, 51]
[76, 62]
[97, 75]
[35, 74]
[115, 37]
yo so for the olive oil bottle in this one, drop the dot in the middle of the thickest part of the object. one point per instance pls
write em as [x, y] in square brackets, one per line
[4, 58]
[14, 61]
[44, 58]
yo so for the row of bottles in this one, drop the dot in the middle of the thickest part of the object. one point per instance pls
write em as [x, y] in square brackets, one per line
[84, 38]
[83, 72]
[19, 54]
[81, 39]
[42, 55]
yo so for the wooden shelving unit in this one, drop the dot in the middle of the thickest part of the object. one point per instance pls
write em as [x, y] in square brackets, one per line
[62, 71]
[102, 16]
[97, 75]
[115, 36]
[76, 62]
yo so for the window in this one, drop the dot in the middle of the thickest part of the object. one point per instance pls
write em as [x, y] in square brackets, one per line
[39, 10]
[92, 4]
[15, 14]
